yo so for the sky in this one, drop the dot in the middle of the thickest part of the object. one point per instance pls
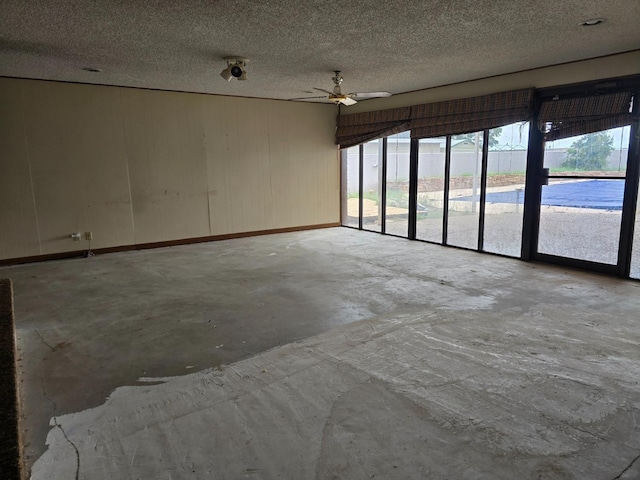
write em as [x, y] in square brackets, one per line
[518, 134]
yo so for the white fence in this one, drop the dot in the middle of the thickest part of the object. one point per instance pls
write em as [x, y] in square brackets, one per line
[463, 163]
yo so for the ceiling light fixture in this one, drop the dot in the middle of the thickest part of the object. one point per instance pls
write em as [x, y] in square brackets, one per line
[235, 69]
[591, 22]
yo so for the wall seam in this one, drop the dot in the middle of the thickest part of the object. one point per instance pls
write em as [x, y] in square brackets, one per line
[33, 191]
[126, 157]
[206, 164]
[272, 219]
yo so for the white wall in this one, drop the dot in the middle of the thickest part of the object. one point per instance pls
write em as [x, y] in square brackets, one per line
[137, 166]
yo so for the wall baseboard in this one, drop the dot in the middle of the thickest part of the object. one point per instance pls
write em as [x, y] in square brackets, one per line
[168, 243]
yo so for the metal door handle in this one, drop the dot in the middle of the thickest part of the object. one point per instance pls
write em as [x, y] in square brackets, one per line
[545, 176]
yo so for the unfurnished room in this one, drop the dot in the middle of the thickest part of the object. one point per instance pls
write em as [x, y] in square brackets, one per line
[320, 240]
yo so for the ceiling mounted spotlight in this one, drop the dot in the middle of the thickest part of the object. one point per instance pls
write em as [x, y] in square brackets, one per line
[235, 69]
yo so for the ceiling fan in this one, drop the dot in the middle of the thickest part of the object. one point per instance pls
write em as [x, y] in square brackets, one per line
[336, 96]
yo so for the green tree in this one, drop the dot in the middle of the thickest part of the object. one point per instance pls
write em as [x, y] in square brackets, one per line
[589, 152]
[494, 134]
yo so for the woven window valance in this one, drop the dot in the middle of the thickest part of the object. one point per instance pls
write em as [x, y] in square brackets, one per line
[473, 114]
[568, 117]
[363, 127]
[450, 117]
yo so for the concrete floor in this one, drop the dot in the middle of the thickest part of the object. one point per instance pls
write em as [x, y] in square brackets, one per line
[329, 354]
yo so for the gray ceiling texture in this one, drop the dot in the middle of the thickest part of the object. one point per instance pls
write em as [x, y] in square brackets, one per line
[294, 45]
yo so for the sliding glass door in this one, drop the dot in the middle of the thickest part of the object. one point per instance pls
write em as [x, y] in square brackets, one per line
[505, 189]
[351, 187]
[431, 189]
[471, 195]
[397, 185]
[561, 189]
[582, 197]
[372, 207]
[375, 185]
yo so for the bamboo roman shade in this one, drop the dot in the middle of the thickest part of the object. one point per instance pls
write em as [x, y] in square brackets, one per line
[563, 118]
[464, 115]
[435, 119]
[363, 127]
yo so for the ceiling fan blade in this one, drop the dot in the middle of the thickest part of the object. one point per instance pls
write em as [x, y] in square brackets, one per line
[370, 94]
[306, 98]
[346, 101]
[323, 90]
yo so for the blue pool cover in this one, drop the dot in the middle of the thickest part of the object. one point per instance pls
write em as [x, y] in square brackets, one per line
[601, 194]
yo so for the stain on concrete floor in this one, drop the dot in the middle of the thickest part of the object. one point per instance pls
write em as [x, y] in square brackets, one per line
[519, 361]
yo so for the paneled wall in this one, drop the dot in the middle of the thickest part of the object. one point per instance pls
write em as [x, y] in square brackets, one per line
[138, 166]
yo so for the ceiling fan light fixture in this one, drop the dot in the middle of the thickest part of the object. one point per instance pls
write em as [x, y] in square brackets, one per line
[345, 100]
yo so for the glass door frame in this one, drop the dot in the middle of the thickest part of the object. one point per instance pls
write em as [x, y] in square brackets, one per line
[534, 179]
[537, 176]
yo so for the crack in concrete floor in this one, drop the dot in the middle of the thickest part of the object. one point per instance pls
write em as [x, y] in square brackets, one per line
[528, 345]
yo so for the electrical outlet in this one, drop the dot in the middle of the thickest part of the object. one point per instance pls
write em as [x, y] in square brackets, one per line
[75, 236]
[88, 235]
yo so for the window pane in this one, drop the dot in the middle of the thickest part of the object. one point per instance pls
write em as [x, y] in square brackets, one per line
[351, 195]
[594, 154]
[371, 192]
[464, 190]
[431, 157]
[581, 219]
[397, 207]
[506, 167]
[635, 253]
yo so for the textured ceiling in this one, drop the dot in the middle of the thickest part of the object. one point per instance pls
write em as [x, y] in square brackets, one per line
[293, 45]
